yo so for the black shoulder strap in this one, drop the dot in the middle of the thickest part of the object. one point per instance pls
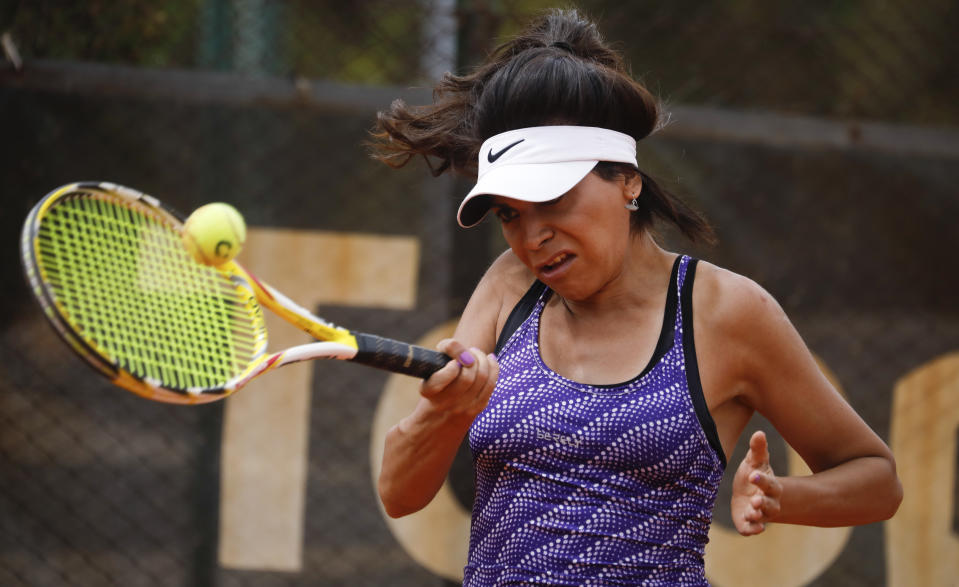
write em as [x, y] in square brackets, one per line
[692, 366]
[520, 313]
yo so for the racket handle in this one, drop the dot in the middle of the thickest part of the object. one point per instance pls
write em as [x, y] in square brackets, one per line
[398, 357]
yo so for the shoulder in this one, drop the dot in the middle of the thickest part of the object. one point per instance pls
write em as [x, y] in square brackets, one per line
[506, 280]
[510, 272]
[727, 299]
[500, 288]
[734, 313]
[745, 329]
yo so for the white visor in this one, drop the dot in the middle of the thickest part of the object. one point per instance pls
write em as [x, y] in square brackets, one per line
[539, 164]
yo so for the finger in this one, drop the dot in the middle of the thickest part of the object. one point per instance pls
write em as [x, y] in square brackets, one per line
[441, 379]
[758, 450]
[751, 528]
[484, 379]
[766, 507]
[767, 483]
[482, 366]
[494, 368]
[468, 393]
[457, 350]
[473, 375]
[491, 376]
[749, 523]
[445, 376]
[770, 508]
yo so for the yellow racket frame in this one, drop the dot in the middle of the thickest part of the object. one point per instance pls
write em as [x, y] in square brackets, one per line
[105, 261]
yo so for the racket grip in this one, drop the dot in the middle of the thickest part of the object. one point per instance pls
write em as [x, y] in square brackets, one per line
[398, 357]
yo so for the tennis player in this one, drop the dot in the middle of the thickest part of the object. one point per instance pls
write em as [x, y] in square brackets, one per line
[623, 373]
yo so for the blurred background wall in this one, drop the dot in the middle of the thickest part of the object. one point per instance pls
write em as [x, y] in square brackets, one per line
[819, 137]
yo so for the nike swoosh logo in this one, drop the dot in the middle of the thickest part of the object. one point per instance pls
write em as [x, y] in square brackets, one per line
[491, 157]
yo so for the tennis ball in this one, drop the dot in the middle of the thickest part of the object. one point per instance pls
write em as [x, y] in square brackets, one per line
[214, 233]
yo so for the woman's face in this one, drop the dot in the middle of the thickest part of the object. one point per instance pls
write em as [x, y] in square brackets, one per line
[575, 244]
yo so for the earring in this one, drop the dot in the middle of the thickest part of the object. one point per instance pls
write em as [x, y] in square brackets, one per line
[633, 206]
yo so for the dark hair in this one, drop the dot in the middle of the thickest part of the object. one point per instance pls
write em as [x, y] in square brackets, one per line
[559, 71]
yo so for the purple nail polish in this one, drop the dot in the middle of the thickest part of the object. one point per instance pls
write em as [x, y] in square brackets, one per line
[466, 359]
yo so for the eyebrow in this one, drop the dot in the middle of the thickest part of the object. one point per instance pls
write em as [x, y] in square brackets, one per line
[494, 206]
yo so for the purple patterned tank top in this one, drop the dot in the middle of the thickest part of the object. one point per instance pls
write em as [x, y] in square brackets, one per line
[595, 485]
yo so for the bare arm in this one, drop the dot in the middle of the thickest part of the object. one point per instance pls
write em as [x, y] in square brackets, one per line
[420, 449]
[854, 477]
[862, 490]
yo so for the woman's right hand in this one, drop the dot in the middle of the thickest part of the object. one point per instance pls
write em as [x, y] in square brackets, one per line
[463, 387]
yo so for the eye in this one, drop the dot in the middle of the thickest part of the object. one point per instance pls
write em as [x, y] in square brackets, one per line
[504, 214]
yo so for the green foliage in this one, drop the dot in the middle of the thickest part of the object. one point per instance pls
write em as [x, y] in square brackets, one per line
[890, 61]
[141, 32]
[852, 58]
[364, 41]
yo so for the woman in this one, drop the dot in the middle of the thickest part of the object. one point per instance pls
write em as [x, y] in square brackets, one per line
[624, 373]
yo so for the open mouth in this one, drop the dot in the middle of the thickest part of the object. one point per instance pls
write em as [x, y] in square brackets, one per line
[556, 262]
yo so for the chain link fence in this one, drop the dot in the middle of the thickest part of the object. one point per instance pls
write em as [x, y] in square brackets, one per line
[820, 139]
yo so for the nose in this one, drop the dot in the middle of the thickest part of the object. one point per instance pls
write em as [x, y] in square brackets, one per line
[536, 233]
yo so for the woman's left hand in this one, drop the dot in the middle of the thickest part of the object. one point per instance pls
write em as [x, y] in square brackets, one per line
[756, 491]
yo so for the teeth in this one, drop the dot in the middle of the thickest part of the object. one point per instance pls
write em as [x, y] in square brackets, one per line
[556, 260]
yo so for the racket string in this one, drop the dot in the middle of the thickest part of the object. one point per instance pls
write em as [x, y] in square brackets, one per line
[123, 278]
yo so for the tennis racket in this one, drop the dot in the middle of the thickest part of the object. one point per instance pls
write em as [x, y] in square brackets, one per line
[109, 269]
